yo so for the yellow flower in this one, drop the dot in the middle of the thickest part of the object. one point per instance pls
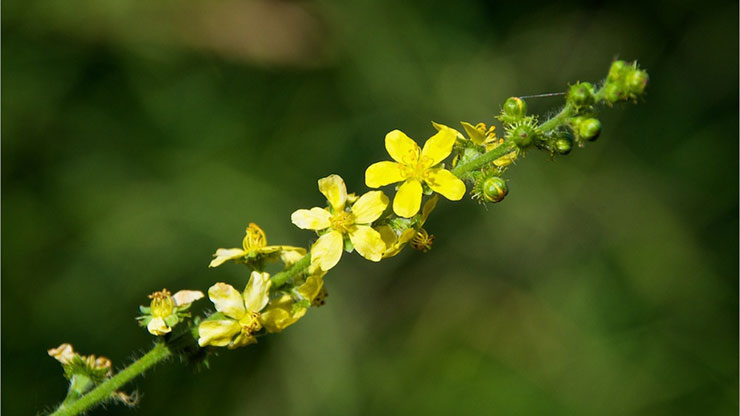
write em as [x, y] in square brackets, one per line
[255, 244]
[394, 242]
[481, 135]
[165, 310]
[414, 167]
[484, 136]
[285, 310]
[338, 221]
[239, 317]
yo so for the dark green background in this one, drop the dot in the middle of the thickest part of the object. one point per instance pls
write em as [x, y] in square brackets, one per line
[138, 137]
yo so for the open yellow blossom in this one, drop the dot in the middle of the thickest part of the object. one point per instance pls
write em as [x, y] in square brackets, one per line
[285, 310]
[394, 242]
[239, 317]
[166, 310]
[337, 221]
[255, 244]
[414, 167]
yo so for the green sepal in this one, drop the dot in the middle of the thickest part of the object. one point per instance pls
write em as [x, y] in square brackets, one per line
[144, 320]
[172, 320]
[348, 246]
[216, 316]
[145, 309]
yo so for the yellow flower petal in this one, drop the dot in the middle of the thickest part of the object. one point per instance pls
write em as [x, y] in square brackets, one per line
[428, 208]
[438, 147]
[327, 250]
[158, 327]
[225, 254]
[257, 292]
[312, 286]
[242, 339]
[369, 207]
[446, 183]
[218, 332]
[228, 300]
[313, 219]
[383, 173]
[279, 315]
[387, 234]
[401, 147]
[476, 136]
[184, 297]
[367, 242]
[334, 190]
[63, 353]
[290, 255]
[408, 199]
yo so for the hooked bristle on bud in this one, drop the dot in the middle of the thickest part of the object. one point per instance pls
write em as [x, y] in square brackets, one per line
[523, 133]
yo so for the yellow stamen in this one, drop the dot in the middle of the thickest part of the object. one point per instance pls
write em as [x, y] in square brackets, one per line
[162, 304]
[255, 238]
[342, 221]
[422, 240]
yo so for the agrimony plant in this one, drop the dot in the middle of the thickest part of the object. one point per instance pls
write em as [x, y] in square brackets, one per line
[450, 163]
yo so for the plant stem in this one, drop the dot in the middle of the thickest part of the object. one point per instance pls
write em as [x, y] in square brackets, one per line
[105, 390]
[282, 277]
[488, 157]
[558, 119]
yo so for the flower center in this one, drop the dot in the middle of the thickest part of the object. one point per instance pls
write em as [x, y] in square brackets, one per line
[250, 323]
[162, 304]
[418, 169]
[342, 221]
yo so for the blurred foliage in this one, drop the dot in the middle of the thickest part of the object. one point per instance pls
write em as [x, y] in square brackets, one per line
[138, 138]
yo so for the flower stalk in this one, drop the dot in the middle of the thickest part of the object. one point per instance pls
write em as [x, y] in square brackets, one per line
[449, 164]
[106, 389]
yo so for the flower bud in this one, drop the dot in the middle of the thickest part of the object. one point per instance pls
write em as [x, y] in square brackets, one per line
[514, 110]
[612, 94]
[563, 145]
[589, 129]
[581, 94]
[493, 189]
[636, 81]
[523, 135]
[617, 70]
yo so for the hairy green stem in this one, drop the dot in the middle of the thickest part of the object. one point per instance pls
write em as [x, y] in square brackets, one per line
[484, 159]
[282, 277]
[558, 119]
[104, 390]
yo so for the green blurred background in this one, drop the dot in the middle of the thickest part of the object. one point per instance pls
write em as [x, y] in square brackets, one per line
[138, 137]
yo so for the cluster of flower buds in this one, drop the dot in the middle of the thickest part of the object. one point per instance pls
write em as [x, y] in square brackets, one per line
[84, 372]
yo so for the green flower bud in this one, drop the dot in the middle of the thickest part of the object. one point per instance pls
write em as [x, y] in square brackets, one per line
[564, 145]
[523, 135]
[581, 94]
[589, 129]
[617, 71]
[612, 94]
[514, 110]
[493, 189]
[636, 81]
